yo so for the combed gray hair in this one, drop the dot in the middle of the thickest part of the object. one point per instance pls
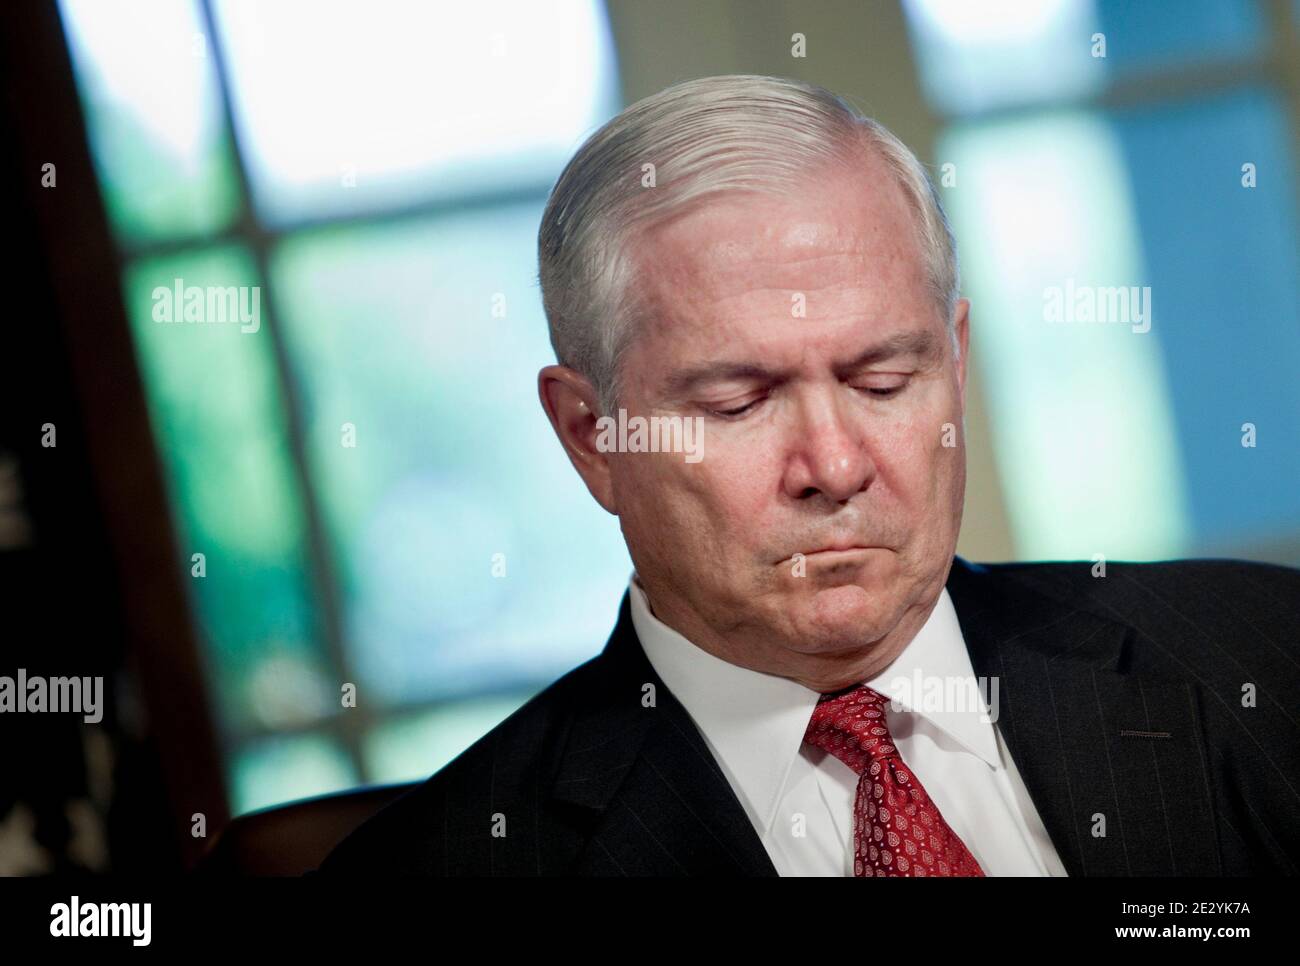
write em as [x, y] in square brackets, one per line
[737, 132]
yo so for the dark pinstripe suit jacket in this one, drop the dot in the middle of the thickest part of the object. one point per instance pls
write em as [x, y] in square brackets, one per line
[1119, 696]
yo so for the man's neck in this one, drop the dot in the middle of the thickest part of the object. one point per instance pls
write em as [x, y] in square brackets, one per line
[746, 647]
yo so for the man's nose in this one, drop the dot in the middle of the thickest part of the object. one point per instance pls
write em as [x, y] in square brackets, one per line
[828, 455]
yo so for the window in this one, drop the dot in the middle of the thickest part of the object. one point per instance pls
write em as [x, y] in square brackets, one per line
[328, 256]
[1128, 163]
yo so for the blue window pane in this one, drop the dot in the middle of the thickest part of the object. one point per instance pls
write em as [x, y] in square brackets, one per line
[1083, 431]
[1222, 262]
[1145, 36]
[346, 108]
[471, 554]
[977, 56]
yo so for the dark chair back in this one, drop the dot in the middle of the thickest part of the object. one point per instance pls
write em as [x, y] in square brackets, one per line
[293, 839]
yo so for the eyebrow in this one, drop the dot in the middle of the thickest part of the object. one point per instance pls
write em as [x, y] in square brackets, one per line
[683, 381]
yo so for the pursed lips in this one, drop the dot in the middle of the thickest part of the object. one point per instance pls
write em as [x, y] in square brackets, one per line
[843, 547]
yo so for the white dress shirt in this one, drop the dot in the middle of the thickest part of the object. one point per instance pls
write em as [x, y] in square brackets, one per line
[800, 799]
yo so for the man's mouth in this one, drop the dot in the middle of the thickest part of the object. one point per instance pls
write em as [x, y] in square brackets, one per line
[831, 551]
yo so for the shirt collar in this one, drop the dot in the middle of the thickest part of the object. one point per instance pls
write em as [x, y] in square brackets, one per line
[936, 660]
[755, 722]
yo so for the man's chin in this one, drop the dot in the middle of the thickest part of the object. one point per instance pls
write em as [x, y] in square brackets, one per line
[840, 617]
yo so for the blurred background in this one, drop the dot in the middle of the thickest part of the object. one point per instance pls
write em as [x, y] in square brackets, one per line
[231, 524]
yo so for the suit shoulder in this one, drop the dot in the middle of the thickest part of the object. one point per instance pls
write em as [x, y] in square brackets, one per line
[1176, 575]
[1193, 607]
[503, 766]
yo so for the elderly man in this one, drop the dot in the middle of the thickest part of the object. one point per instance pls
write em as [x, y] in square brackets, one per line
[751, 257]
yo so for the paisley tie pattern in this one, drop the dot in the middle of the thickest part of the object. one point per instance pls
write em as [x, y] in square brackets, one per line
[897, 828]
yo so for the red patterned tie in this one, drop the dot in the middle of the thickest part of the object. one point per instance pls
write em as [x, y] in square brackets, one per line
[897, 828]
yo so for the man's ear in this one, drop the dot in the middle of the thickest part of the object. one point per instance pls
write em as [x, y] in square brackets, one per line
[570, 404]
[961, 327]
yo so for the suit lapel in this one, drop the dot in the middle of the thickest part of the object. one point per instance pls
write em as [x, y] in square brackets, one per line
[1113, 761]
[637, 775]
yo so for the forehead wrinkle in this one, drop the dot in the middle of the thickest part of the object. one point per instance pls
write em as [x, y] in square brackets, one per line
[796, 359]
[698, 268]
[694, 286]
[726, 265]
[739, 318]
[725, 254]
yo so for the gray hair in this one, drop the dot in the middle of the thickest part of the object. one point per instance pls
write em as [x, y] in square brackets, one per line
[738, 132]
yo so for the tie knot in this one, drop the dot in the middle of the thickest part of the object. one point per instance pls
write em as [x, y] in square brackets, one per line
[850, 725]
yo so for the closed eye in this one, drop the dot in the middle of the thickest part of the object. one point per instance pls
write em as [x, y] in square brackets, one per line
[879, 392]
[736, 410]
[885, 391]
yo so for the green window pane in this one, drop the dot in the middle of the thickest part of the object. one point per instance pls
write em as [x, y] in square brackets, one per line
[215, 402]
[425, 339]
[271, 771]
[416, 746]
[153, 112]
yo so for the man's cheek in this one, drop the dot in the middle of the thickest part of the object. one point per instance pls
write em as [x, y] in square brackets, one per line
[688, 498]
[751, 485]
[913, 425]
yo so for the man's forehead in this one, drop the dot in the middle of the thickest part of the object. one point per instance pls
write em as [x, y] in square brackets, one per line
[772, 250]
[721, 282]
[842, 214]
[805, 240]
[773, 279]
